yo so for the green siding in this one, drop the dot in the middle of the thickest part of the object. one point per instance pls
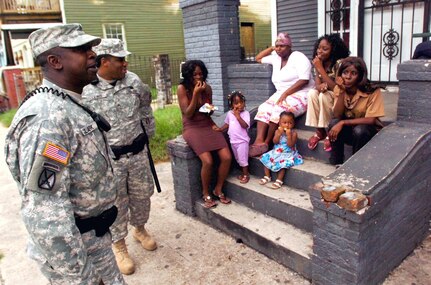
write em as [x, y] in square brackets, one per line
[155, 27]
[150, 27]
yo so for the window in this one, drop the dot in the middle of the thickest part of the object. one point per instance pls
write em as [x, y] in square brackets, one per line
[247, 41]
[115, 31]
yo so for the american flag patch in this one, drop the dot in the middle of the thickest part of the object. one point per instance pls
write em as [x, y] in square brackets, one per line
[56, 153]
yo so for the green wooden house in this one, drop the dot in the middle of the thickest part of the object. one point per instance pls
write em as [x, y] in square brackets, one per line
[155, 27]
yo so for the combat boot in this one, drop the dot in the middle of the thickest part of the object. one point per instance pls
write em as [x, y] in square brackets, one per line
[124, 262]
[147, 242]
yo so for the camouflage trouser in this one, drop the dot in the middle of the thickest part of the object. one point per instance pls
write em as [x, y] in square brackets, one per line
[135, 187]
[100, 266]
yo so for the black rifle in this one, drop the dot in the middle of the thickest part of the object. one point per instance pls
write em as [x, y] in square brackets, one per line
[150, 158]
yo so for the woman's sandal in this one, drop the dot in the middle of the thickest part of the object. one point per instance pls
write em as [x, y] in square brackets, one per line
[313, 141]
[223, 199]
[257, 149]
[277, 184]
[327, 144]
[264, 180]
[209, 202]
[244, 179]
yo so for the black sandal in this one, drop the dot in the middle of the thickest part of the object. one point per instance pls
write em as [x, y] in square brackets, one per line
[209, 202]
[223, 199]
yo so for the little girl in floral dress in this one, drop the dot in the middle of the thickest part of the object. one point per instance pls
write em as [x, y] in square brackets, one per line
[284, 154]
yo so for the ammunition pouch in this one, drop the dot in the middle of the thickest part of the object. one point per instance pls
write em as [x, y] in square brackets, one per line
[101, 223]
[136, 147]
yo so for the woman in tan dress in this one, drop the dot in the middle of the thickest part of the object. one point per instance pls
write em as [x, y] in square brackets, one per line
[194, 94]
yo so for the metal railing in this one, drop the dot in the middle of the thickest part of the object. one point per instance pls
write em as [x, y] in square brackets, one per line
[144, 68]
[29, 6]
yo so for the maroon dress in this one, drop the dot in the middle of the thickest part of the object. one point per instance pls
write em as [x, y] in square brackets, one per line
[198, 132]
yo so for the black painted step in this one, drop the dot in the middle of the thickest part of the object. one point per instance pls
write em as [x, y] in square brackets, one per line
[300, 176]
[278, 240]
[287, 204]
[318, 153]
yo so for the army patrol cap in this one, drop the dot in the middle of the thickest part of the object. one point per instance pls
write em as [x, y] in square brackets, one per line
[67, 36]
[113, 47]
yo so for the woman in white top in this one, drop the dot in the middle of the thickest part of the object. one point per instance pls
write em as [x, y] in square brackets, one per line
[292, 79]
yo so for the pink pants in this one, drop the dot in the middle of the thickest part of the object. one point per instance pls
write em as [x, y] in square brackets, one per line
[240, 151]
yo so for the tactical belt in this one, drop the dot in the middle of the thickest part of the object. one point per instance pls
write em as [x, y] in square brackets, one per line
[136, 147]
[101, 223]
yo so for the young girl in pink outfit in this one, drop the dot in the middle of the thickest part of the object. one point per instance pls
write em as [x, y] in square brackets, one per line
[237, 123]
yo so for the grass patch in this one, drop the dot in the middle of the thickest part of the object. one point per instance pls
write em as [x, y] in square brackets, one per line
[168, 126]
[154, 91]
[6, 117]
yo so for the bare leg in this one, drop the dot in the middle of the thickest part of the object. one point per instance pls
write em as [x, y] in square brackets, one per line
[271, 131]
[223, 170]
[267, 172]
[261, 133]
[280, 174]
[321, 132]
[245, 170]
[207, 165]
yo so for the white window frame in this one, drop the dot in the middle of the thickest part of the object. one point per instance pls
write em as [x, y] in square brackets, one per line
[110, 34]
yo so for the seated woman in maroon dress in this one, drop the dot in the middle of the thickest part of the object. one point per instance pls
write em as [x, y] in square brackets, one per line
[193, 93]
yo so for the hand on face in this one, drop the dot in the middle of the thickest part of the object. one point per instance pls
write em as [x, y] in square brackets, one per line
[286, 124]
[237, 110]
[340, 82]
[317, 62]
[200, 87]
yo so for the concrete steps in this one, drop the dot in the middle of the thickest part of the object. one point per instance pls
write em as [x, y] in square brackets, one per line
[301, 176]
[287, 204]
[277, 223]
[276, 239]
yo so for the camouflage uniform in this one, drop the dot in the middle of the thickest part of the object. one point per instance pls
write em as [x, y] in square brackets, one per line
[125, 105]
[55, 189]
[62, 166]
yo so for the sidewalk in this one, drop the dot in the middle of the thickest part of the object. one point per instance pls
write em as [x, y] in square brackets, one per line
[189, 252]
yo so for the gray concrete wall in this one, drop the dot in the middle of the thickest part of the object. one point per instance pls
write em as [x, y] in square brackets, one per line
[414, 103]
[211, 34]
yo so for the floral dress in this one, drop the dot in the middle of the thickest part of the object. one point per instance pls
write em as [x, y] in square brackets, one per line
[281, 156]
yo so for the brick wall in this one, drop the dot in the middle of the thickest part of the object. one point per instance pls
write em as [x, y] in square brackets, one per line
[414, 103]
[393, 171]
[211, 34]
[254, 80]
[186, 168]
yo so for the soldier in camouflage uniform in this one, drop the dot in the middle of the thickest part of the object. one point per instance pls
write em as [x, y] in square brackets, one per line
[59, 158]
[121, 97]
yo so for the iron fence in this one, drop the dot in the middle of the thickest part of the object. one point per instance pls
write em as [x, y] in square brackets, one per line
[388, 31]
[143, 66]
